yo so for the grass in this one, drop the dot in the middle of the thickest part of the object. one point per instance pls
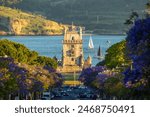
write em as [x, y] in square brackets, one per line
[70, 77]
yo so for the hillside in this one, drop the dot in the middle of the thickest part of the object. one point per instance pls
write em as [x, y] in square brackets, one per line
[9, 2]
[16, 22]
[101, 16]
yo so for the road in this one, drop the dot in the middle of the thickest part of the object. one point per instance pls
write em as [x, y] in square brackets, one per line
[73, 93]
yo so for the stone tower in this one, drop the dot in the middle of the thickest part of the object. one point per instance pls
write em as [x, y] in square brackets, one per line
[72, 53]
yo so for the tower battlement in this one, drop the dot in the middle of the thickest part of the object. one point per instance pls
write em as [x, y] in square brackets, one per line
[72, 41]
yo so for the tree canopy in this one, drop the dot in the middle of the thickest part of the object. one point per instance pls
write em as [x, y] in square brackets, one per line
[17, 51]
[138, 45]
[22, 54]
[24, 72]
[116, 56]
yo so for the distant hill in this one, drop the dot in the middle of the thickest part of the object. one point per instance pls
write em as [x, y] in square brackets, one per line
[16, 22]
[101, 16]
[9, 2]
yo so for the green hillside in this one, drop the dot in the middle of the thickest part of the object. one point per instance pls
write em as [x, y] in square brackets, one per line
[14, 21]
[9, 2]
[101, 16]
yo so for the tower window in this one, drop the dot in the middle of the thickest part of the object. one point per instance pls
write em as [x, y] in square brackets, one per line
[72, 46]
[72, 59]
[72, 38]
[68, 53]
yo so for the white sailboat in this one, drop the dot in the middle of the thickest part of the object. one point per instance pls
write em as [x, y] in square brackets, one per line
[91, 46]
[108, 43]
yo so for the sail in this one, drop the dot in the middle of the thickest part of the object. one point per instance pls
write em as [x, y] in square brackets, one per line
[99, 53]
[108, 43]
[91, 46]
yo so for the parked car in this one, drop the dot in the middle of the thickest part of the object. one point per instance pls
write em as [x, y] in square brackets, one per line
[56, 95]
[82, 95]
[64, 93]
[46, 96]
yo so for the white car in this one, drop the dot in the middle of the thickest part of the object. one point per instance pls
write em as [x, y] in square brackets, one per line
[46, 96]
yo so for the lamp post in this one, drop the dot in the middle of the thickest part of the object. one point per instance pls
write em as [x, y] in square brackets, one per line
[131, 67]
[74, 78]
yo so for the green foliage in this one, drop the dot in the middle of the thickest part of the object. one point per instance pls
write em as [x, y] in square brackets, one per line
[23, 55]
[87, 13]
[42, 60]
[9, 2]
[24, 71]
[17, 51]
[110, 85]
[116, 55]
[102, 63]
[114, 87]
[8, 81]
[3, 27]
[148, 6]
[25, 79]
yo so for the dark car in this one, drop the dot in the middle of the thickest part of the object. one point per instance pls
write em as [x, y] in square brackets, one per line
[64, 94]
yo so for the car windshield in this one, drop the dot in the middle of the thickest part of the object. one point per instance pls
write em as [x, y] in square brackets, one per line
[45, 95]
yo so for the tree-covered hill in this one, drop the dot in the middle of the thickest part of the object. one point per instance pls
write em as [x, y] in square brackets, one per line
[9, 2]
[102, 16]
[16, 22]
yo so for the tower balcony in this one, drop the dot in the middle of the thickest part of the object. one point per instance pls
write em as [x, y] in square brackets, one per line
[72, 41]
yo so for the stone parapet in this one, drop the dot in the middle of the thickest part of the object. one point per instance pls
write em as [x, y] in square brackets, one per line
[69, 69]
[72, 41]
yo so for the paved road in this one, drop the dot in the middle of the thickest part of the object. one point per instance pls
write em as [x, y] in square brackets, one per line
[73, 93]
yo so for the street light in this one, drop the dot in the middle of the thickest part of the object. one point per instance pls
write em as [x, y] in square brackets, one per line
[74, 78]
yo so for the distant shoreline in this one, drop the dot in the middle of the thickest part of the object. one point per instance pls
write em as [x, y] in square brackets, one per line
[105, 34]
[33, 35]
[62, 35]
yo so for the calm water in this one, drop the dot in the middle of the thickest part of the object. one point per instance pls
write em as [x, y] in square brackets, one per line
[52, 45]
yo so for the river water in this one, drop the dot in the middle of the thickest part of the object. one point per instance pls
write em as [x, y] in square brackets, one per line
[52, 45]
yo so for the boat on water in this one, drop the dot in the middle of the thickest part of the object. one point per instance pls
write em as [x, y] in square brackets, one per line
[99, 54]
[108, 43]
[91, 45]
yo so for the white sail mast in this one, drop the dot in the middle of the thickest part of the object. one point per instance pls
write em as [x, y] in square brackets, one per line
[91, 46]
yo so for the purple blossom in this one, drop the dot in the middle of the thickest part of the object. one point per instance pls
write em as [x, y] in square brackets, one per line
[102, 77]
[138, 44]
[91, 74]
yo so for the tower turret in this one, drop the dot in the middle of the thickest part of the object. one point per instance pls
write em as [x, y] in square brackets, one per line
[89, 60]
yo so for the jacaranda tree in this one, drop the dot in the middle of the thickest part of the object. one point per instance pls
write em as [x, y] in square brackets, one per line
[93, 76]
[138, 45]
